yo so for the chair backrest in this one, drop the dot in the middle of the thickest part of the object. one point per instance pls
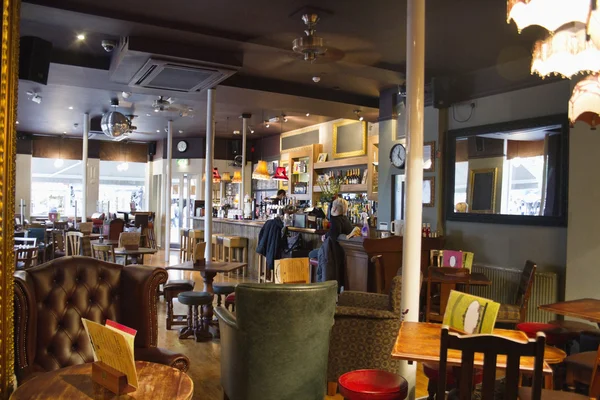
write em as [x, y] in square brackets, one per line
[292, 270]
[390, 250]
[86, 227]
[73, 245]
[470, 314]
[277, 319]
[435, 258]
[199, 251]
[129, 239]
[151, 237]
[525, 286]
[446, 279]
[58, 239]
[491, 346]
[103, 252]
[62, 225]
[38, 233]
[26, 257]
[25, 241]
[116, 226]
[141, 219]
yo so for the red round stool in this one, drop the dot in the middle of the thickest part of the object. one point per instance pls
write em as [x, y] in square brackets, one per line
[432, 372]
[230, 301]
[555, 335]
[372, 384]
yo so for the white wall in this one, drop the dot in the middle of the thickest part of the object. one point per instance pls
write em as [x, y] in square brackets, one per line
[510, 245]
[23, 184]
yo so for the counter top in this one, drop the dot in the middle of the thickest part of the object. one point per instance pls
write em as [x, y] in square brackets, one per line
[260, 223]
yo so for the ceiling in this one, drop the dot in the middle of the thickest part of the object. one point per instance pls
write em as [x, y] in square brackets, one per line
[367, 52]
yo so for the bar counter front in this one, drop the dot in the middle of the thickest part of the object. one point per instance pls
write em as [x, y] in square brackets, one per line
[250, 229]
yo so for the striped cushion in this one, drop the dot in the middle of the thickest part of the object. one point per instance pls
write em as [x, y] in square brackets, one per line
[509, 313]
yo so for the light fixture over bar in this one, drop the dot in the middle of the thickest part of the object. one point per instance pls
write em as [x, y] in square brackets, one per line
[584, 104]
[280, 174]
[237, 177]
[549, 14]
[261, 173]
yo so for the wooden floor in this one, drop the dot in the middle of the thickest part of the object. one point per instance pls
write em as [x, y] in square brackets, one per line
[205, 368]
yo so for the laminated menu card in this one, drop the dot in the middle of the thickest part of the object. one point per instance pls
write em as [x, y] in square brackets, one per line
[470, 314]
[452, 258]
[113, 345]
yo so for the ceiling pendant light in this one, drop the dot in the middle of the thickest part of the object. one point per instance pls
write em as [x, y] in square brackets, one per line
[310, 46]
[280, 174]
[566, 53]
[584, 104]
[237, 177]
[260, 172]
[549, 14]
[226, 177]
[216, 176]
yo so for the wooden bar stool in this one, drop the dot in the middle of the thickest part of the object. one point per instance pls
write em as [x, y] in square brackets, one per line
[217, 246]
[235, 248]
[194, 237]
[171, 290]
[183, 244]
[263, 272]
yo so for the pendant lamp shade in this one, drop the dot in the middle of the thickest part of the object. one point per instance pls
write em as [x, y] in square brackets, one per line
[280, 174]
[549, 14]
[585, 101]
[216, 176]
[261, 173]
[237, 177]
[226, 177]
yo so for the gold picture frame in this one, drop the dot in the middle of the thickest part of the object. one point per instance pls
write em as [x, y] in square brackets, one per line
[486, 180]
[355, 153]
[322, 157]
[429, 191]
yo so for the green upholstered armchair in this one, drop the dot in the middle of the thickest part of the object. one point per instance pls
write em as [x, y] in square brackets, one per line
[276, 346]
[364, 333]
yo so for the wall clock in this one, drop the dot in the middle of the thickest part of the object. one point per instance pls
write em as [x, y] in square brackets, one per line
[182, 146]
[398, 155]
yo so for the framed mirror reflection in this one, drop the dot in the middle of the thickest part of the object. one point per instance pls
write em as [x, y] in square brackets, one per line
[513, 173]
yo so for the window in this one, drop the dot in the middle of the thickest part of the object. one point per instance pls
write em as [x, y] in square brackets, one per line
[56, 186]
[120, 185]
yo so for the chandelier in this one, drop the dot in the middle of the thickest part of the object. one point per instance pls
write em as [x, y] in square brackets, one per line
[549, 14]
[584, 104]
[567, 53]
[260, 172]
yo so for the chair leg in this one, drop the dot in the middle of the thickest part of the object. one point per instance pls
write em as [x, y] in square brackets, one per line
[332, 388]
[431, 389]
[169, 312]
[225, 397]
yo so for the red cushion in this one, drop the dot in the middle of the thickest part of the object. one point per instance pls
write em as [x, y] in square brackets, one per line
[371, 384]
[230, 298]
[554, 335]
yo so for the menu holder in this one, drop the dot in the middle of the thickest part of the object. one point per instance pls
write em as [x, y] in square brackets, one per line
[114, 364]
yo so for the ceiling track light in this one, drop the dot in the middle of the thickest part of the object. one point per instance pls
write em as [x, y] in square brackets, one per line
[357, 113]
[308, 114]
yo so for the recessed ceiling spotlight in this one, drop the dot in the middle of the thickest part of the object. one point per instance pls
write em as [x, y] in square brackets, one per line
[180, 131]
[65, 132]
[158, 131]
[308, 114]
[17, 122]
[126, 95]
[267, 125]
[316, 79]
[251, 130]
[236, 132]
[284, 118]
[148, 115]
[156, 110]
[70, 107]
[81, 36]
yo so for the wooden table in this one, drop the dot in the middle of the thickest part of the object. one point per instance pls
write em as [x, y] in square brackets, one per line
[476, 279]
[420, 341]
[208, 271]
[140, 251]
[113, 243]
[156, 382]
[588, 309]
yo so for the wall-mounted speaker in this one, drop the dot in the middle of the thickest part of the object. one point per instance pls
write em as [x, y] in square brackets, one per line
[152, 148]
[441, 92]
[234, 148]
[34, 59]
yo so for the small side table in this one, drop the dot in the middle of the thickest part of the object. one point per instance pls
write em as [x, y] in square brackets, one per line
[155, 382]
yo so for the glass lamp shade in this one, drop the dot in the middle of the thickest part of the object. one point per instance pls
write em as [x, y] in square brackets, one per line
[280, 174]
[237, 177]
[584, 104]
[549, 14]
[226, 177]
[566, 53]
[216, 176]
[261, 173]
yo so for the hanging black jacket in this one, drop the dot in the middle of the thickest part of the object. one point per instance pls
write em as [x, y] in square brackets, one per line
[270, 241]
[331, 263]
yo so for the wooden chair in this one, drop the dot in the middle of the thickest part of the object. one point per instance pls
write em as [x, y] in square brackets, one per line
[436, 258]
[443, 279]
[115, 228]
[199, 251]
[517, 312]
[73, 245]
[193, 238]
[58, 243]
[86, 227]
[292, 270]
[390, 250]
[129, 239]
[183, 244]
[103, 252]
[61, 225]
[26, 257]
[151, 237]
[491, 346]
[25, 241]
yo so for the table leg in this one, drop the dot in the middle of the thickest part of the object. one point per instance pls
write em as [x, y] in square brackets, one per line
[208, 277]
[188, 330]
[549, 381]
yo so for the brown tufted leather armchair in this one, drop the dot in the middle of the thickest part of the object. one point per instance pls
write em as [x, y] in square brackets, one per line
[51, 299]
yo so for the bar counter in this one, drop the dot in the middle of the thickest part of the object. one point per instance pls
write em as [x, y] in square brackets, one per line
[250, 230]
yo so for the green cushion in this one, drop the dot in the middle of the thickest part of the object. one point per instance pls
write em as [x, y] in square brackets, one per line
[195, 298]
[223, 288]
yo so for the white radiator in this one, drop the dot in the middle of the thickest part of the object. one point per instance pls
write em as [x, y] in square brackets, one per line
[504, 288]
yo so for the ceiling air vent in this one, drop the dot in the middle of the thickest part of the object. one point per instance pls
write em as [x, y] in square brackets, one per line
[169, 75]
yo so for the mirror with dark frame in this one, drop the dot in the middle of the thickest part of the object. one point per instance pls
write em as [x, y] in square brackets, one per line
[511, 173]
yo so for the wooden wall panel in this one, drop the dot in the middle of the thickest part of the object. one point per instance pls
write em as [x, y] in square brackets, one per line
[119, 151]
[72, 149]
[55, 147]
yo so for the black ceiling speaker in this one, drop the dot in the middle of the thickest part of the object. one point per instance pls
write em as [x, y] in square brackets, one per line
[441, 92]
[34, 59]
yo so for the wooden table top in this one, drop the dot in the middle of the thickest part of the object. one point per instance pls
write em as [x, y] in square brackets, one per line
[122, 251]
[106, 241]
[211, 266]
[588, 309]
[477, 278]
[420, 341]
[156, 381]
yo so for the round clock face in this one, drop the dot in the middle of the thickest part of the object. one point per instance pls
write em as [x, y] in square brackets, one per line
[182, 146]
[398, 155]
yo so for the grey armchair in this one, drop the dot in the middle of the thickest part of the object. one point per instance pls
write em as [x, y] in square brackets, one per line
[276, 346]
[365, 330]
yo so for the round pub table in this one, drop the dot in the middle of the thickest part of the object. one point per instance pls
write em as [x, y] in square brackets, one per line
[155, 381]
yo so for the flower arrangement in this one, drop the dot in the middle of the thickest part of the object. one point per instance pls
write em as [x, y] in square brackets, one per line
[329, 187]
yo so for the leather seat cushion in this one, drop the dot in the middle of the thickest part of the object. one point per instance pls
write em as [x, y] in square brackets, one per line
[179, 283]
[223, 288]
[377, 384]
[583, 360]
[574, 327]
[195, 298]
[525, 394]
